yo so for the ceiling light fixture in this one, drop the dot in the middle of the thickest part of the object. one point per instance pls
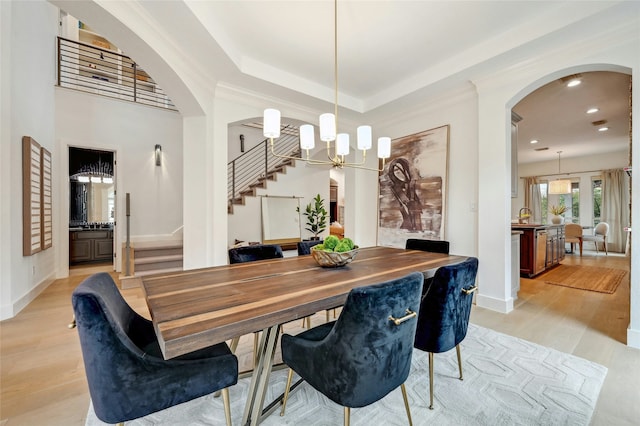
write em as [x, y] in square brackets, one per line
[560, 186]
[534, 141]
[603, 129]
[328, 130]
[592, 110]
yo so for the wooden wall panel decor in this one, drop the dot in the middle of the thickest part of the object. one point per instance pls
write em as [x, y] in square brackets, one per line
[31, 197]
[46, 234]
[413, 188]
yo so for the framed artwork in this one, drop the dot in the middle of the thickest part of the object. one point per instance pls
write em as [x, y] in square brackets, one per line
[412, 188]
[37, 223]
[31, 197]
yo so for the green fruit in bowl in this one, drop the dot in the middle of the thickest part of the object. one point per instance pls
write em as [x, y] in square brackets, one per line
[331, 242]
[343, 246]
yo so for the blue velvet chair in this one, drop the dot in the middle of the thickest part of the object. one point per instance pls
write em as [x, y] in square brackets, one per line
[444, 312]
[366, 353]
[434, 246]
[127, 375]
[252, 254]
[255, 252]
[304, 247]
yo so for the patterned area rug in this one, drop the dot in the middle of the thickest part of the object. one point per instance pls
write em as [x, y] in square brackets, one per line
[507, 381]
[591, 278]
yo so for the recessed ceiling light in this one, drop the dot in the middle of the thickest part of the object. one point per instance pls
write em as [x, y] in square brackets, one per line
[592, 110]
[534, 141]
[573, 83]
[603, 129]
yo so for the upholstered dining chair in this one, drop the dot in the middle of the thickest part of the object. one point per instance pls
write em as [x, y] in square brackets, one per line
[444, 312]
[600, 233]
[127, 375]
[255, 252]
[434, 246]
[573, 235]
[364, 354]
[252, 254]
[304, 247]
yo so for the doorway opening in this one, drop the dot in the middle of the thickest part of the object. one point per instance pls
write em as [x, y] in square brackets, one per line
[92, 206]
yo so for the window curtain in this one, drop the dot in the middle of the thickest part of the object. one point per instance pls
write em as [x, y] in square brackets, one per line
[615, 208]
[533, 199]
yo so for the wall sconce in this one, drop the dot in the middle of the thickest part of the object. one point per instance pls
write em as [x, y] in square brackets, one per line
[158, 155]
[241, 143]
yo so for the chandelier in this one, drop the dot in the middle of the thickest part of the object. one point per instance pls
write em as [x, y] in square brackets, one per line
[328, 122]
[560, 186]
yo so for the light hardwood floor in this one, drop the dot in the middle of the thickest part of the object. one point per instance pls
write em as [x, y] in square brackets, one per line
[43, 382]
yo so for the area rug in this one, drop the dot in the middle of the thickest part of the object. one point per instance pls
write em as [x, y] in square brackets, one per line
[591, 278]
[507, 381]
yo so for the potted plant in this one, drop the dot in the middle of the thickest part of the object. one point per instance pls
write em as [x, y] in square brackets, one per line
[557, 212]
[316, 217]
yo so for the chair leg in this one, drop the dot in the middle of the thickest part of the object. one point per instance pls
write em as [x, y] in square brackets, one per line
[234, 344]
[406, 403]
[286, 392]
[604, 243]
[459, 360]
[430, 380]
[255, 350]
[227, 405]
[347, 416]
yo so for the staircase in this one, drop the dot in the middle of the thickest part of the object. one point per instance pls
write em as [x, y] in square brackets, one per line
[151, 258]
[256, 167]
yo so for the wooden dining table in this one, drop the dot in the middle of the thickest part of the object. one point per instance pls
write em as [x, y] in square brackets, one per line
[197, 308]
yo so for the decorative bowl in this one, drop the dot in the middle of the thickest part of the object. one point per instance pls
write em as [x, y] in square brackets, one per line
[333, 259]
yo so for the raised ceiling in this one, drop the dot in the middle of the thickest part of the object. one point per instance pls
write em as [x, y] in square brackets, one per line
[391, 53]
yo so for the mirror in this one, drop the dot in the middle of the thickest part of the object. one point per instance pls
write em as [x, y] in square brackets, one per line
[91, 202]
[91, 188]
[280, 220]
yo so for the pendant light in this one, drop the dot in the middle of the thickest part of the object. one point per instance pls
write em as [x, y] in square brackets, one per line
[560, 186]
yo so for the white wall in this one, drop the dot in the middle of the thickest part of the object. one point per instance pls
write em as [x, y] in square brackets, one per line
[458, 109]
[28, 78]
[302, 181]
[131, 131]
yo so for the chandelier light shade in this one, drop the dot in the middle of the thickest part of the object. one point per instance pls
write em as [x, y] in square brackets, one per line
[328, 131]
[560, 186]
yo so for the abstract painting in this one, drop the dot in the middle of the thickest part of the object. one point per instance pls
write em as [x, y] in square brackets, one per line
[413, 188]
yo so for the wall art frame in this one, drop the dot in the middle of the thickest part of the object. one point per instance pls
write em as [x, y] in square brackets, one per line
[37, 222]
[412, 188]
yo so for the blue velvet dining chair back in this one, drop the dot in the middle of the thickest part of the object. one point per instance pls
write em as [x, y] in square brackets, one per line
[254, 253]
[127, 375]
[445, 310]
[304, 247]
[363, 355]
[434, 246]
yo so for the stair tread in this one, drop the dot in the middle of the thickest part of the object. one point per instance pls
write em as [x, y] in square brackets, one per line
[156, 259]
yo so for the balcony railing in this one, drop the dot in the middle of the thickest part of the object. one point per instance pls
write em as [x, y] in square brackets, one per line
[107, 73]
[257, 164]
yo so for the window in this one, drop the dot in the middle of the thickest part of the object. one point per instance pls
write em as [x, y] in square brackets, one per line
[596, 193]
[544, 201]
[575, 202]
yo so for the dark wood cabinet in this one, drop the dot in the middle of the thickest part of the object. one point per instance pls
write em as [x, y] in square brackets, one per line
[90, 246]
[541, 247]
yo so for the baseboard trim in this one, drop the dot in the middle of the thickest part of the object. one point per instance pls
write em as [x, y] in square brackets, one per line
[498, 305]
[633, 337]
[11, 310]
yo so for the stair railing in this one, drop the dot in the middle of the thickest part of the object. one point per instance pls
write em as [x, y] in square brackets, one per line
[257, 164]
